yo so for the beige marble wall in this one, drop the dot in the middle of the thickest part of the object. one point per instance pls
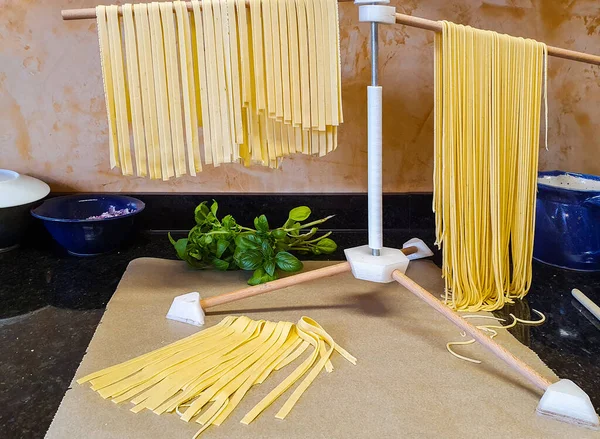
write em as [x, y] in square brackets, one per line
[53, 124]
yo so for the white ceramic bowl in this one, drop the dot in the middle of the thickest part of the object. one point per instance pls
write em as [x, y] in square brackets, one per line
[18, 193]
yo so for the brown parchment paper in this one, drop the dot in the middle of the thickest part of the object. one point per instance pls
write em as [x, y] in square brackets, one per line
[405, 384]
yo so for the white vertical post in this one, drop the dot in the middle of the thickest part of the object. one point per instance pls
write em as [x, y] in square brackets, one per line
[375, 173]
[375, 14]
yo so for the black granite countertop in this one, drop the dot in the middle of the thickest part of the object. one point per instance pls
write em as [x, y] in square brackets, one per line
[51, 304]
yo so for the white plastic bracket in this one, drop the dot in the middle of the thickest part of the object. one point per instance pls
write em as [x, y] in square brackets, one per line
[186, 309]
[371, 2]
[423, 249]
[365, 266]
[377, 14]
[566, 401]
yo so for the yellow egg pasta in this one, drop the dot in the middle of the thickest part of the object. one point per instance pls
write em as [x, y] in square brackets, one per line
[205, 376]
[263, 83]
[488, 96]
[109, 96]
[150, 123]
[120, 89]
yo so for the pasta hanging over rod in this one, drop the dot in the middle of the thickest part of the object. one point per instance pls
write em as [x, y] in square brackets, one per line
[488, 95]
[263, 83]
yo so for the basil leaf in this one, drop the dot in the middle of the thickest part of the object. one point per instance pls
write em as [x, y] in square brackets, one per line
[260, 277]
[247, 241]
[195, 234]
[299, 213]
[270, 267]
[220, 264]
[326, 246]
[180, 246]
[281, 246]
[267, 250]
[214, 207]
[288, 262]
[250, 259]
[279, 234]
[261, 224]
[256, 277]
[196, 264]
[222, 245]
[200, 213]
[228, 222]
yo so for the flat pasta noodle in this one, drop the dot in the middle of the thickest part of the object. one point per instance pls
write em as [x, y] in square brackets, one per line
[267, 38]
[207, 122]
[244, 51]
[294, 62]
[230, 50]
[225, 103]
[105, 62]
[305, 72]
[214, 99]
[285, 61]
[120, 95]
[274, 36]
[135, 92]
[334, 82]
[258, 57]
[188, 87]
[324, 66]
[173, 88]
[315, 108]
[320, 64]
[150, 123]
[160, 89]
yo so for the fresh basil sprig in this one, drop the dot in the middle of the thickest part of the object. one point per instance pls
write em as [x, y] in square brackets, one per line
[226, 245]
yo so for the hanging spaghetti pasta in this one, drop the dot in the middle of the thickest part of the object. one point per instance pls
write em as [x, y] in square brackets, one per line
[488, 92]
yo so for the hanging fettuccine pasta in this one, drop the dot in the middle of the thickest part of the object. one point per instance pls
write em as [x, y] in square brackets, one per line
[488, 94]
[263, 82]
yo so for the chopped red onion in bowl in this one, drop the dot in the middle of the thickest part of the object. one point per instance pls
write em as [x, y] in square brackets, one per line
[112, 213]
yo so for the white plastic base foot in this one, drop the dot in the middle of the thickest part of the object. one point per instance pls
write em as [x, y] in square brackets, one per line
[365, 266]
[423, 252]
[187, 309]
[565, 401]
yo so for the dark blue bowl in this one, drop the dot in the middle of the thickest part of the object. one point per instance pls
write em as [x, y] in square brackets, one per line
[66, 220]
[567, 223]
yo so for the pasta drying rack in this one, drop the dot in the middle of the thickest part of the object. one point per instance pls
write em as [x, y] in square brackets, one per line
[376, 263]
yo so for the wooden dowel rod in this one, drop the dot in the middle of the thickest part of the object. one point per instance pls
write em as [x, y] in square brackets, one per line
[278, 284]
[408, 20]
[516, 364]
[89, 13]
[557, 52]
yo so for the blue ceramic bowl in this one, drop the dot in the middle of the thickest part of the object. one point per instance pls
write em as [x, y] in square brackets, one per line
[567, 220]
[66, 218]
